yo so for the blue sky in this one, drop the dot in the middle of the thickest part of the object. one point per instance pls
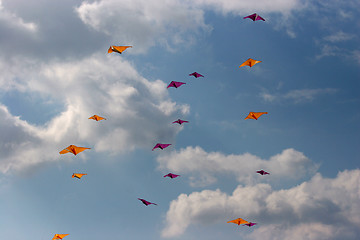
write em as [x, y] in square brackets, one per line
[56, 73]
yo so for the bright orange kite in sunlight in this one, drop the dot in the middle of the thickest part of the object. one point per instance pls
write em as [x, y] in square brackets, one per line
[255, 115]
[78, 175]
[118, 49]
[59, 236]
[250, 62]
[73, 149]
[238, 221]
[97, 118]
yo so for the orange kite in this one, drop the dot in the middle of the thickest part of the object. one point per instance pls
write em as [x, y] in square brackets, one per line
[118, 49]
[73, 149]
[250, 62]
[78, 175]
[59, 236]
[97, 118]
[238, 221]
[255, 115]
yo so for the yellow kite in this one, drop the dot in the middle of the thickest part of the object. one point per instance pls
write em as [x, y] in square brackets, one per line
[78, 175]
[255, 115]
[97, 118]
[250, 62]
[238, 221]
[59, 236]
[73, 149]
[118, 49]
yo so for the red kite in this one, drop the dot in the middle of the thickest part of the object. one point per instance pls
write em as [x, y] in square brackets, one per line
[196, 75]
[146, 202]
[59, 236]
[78, 175]
[250, 224]
[179, 121]
[171, 175]
[97, 118]
[238, 221]
[175, 84]
[262, 172]
[73, 149]
[255, 115]
[250, 62]
[118, 49]
[161, 146]
[254, 17]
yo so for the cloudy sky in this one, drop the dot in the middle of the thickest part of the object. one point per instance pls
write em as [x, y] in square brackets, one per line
[56, 73]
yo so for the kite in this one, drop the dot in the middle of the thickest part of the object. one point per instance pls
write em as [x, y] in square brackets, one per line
[250, 224]
[59, 236]
[255, 115]
[97, 118]
[238, 221]
[171, 175]
[179, 121]
[175, 84]
[161, 146]
[146, 202]
[196, 75]
[118, 49]
[78, 175]
[254, 17]
[73, 149]
[250, 62]
[262, 172]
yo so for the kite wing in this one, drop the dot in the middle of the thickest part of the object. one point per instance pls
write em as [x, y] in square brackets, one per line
[73, 149]
[196, 75]
[238, 221]
[175, 84]
[118, 49]
[78, 175]
[161, 146]
[255, 115]
[59, 236]
[250, 224]
[147, 203]
[171, 175]
[97, 118]
[254, 17]
[179, 121]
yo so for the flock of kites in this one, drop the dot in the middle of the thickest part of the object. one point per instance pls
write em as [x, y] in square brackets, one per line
[252, 115]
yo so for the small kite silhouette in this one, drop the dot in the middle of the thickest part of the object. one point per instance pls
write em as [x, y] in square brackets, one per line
[179, 121]
[196, 75]
[97, 118]
[59, 236]
[250, 224]
[175, 84]
[171, 175]
[161, 146]
[78, 175]
[262, 172]
[238, 221]
[254, 17]
[73, 149]
[147, 203]
[255, 115]
[250, 62]
[118, 49]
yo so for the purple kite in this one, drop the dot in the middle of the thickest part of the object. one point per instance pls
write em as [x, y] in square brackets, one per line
[161, 146]
[179, 121]
[196, 75]
[254, 17]
[250, 224]
[171, 175]
[146, 202]
[175, 84]
[262, 172]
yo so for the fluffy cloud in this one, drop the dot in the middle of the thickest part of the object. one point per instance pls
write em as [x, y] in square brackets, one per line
[11, 20]
[321, 208]
[138, 110]
[290, 164]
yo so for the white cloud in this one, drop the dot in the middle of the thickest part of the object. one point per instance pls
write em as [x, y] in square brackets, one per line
[13, 21]
[321, 208]
[138, 111]
[339, 36]
[297, 96]
[290, 164]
